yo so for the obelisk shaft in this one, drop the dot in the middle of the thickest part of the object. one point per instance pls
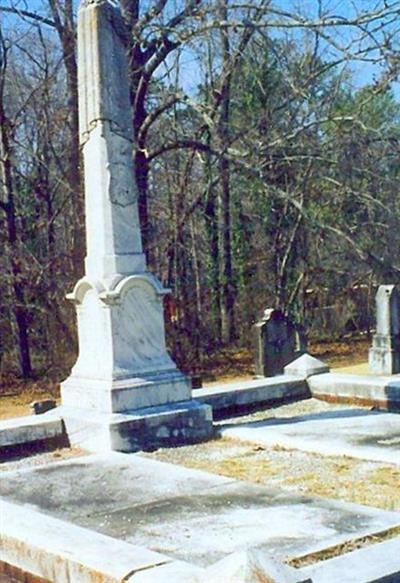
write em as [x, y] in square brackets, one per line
[112, 223]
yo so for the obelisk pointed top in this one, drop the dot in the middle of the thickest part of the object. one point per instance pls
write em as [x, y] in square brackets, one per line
[85, 3]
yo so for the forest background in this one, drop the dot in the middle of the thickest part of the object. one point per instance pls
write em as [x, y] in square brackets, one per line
[267, 168]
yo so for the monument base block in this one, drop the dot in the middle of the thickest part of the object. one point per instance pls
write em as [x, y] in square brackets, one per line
[384, 361]
[384, 355]
[125, 393]
[143, 429]
[121, 395]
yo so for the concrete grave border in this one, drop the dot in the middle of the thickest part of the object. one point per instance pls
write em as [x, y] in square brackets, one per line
[57, 550]
[383, 392]
[61, 551]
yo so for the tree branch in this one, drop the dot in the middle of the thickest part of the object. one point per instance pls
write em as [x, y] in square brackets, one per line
[28, 14]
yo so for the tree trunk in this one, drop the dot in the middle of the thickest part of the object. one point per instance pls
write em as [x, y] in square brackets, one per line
[74, 176]
[139, 84]
[213, 238]
[227, 281]
[66, 31]
[19, 309]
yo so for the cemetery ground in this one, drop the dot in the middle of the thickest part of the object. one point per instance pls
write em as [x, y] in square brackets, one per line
[246, 482]
[338, 477]
[281, 494]
[372, 483]
[230, 365]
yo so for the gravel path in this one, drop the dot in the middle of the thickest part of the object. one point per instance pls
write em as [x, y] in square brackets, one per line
[340, 477]
[41, 459]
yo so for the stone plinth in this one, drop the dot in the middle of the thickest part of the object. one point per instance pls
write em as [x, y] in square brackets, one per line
[123, 363]
[384, 355]
[306, 366]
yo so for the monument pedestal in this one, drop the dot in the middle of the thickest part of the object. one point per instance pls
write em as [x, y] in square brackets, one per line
[123, 363]
[125, 392]
[384, 355]
[143, 429]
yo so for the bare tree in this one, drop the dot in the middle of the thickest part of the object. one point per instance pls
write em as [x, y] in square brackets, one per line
[7, 205]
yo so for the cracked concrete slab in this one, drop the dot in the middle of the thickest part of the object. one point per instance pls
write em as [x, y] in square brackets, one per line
[359, 433]
[188, 515]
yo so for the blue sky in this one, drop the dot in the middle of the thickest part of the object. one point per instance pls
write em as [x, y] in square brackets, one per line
[364, 72]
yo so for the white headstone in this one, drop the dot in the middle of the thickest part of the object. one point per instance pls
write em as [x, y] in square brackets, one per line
[387, 310]
[384, 355]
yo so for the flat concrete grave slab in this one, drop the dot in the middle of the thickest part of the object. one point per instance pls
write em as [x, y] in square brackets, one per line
[186, 514]
[359, 433]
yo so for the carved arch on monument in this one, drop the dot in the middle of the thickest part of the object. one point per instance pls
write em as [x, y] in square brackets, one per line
[82, 287]
[145, 281]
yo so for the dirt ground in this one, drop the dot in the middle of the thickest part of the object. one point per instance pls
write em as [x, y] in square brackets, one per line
[16, 395]
[340, 477]
[351, 480]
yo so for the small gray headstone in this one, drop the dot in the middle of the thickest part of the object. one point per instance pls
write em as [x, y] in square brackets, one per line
[384, 355]
[278, 341]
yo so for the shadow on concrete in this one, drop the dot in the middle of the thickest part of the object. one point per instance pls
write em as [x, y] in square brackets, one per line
[323, 416]
[392, 394]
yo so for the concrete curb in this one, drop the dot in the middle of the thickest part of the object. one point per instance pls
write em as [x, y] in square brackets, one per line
[376, 562]
[379, 391]
[234, 398]
[25, 435]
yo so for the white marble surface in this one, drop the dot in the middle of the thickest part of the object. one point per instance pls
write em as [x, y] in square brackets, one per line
[306, 366]
[138, 331]
[122, 333]
[387, 310]
[112, 221]
[123, 364]
[63, 552]
[102, 71]
[22, 430]
[126, 395]
[375, 562]
[357, 433]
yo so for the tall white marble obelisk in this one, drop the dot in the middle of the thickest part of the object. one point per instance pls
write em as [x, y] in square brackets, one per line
[123, 376]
